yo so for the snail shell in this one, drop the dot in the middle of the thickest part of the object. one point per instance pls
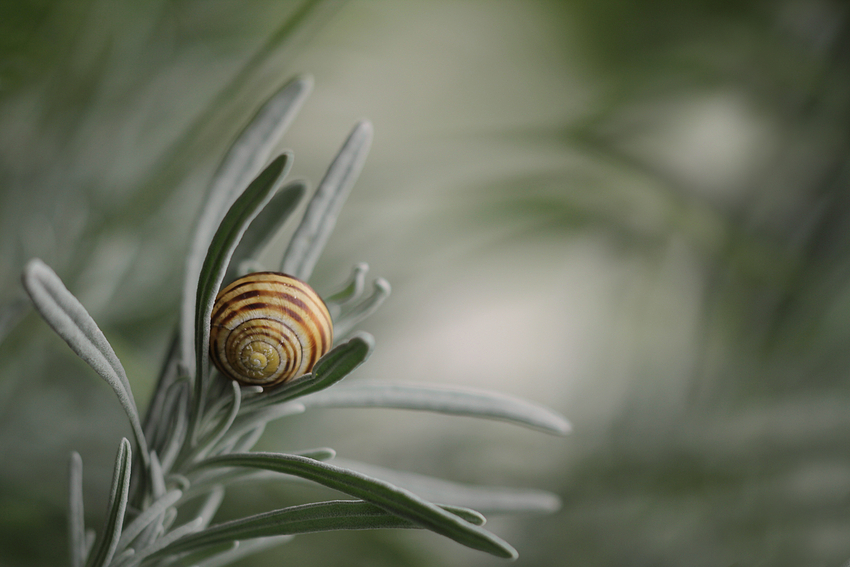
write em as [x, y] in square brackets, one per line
[267, 328]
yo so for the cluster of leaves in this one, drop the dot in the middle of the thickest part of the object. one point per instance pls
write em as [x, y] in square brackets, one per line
[197, 435]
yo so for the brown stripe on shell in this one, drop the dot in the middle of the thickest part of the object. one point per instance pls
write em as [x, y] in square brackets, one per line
[284, 312]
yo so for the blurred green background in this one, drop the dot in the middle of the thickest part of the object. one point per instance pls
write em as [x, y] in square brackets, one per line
[634, 212]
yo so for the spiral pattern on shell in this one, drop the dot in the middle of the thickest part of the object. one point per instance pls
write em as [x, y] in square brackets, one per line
[267, 328]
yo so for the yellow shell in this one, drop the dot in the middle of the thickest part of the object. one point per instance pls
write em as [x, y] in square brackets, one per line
[267, 328]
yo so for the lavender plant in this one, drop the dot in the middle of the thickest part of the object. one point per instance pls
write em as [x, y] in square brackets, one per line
[196, 437]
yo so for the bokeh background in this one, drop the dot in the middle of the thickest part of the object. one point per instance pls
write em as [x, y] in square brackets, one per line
[636, 213]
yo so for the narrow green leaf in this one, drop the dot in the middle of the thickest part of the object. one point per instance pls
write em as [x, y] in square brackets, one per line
[212, 503]
[320, 454]
[157, 477]
[320, 218]
[124, 558]
[466, 514]
[348, 320]
[243, 549]
[251, 149]
[76, 519]
[307, 518]
[168, 539]
[397, 501]
[353, 288]
[248, 422]
[90, 536]
[155, 418]
[237, 219]
[201, 556]
[443, 399]
[486, 499]
[179, 426]
[207, 480]
[149, 515]
[263, 228]
[330, 369]
[67, 316]
[247, 441]
[218, 431]
[118, 494]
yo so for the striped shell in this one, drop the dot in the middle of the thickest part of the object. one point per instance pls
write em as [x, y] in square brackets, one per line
[267, 328]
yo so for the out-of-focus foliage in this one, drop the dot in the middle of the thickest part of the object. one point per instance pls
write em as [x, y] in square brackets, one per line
[681, 163]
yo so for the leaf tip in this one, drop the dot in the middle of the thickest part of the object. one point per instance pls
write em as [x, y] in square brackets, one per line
[34, 268]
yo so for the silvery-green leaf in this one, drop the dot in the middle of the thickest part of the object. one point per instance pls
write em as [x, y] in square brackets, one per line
[149, 515]
[486, 499]
[310, 237]
[330, 369]
[472, 516]
[72, 322]
[243, 549]
[268, 222]
[111, 533]
[169, 538]
[352, 289]
[155, 417]
[248, 440]
[76, 519]
[157, 477]
[178, 425]
[206, 480]
[243, 161]
[307, 518]
[248, 422]
[395, 500]
[201, 556]
[319, 454]
[221, 427]
[237, 219]
[171, 406]
[124, 558]
[211, 505]
[442, 399]
[348, 320]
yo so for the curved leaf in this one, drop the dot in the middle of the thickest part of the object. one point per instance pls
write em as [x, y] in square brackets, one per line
[148, 516]
[235, 222]
[443, 399]
[486, 499]
[397, 501]
[348, 320]
[244, 159]
[307, 518]
[67, 316]
[353, 288]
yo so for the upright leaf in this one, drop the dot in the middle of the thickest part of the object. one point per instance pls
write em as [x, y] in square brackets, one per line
[224, 242]
[324, 208]
[268, 222]
[118, 494]
[243, 161]
[76, 519]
